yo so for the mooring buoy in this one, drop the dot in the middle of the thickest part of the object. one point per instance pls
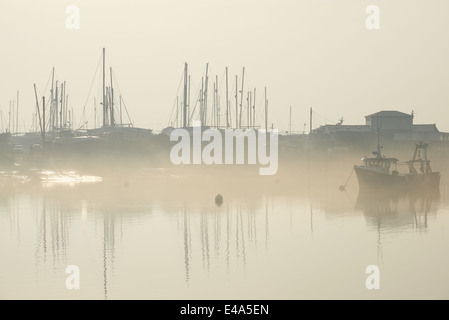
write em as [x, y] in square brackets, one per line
[218, 199]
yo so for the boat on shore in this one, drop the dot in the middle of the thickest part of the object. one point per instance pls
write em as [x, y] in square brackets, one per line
[380, 172]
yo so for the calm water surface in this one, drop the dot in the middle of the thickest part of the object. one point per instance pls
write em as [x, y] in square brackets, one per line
[156, 234]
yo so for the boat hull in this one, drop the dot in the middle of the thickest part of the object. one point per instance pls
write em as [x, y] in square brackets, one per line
[369, 178]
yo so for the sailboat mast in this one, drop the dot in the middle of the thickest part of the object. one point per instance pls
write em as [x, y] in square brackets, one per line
[37, 106]
[266, 111]
[241, 98]
[184, 114]
[236, 103]
[43, 119]
[17, 113]
[205, 93]
[104, 90]
[254, 108]
[227, 100]
[112, 100]
[121, 114]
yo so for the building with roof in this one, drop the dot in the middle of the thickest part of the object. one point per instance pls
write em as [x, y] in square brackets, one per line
[394, 127]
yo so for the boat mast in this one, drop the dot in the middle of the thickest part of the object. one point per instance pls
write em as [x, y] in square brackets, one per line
[202, 101]
[266, 111]
[236, 103]
[112, 100]
[52, 102]
[227, 100]
[379, 155]
[241, 98]
[17, 113]
[254, 108]
[217, 103]
[43, 119]
[188, 105]
[37, 106]
[310, 128]
[184, 115]
[55, 113]
[205, 94]
[121, 118]
[104, 92]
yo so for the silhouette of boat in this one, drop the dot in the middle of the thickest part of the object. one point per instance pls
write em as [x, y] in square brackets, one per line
[381, 172]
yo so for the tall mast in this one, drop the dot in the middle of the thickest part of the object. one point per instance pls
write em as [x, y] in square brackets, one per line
[61, 109]
[214, 108]
[248, 115]
[310, 128]
[227, 100]
[65, 105]
[37, 106]
[52, 102]
[104, 91]
[241, 98]
[17, 113]
[112, 101]
[236, 103]
[188, 106]
[205, 94]
[121, 118]
[266, 111]
[9, 121]
[43, 119]
[184, 113]
[217, 110]
[55, 113]
[202, 101]
[254, 108]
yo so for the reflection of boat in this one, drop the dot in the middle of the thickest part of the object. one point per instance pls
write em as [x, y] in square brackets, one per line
[381, 172]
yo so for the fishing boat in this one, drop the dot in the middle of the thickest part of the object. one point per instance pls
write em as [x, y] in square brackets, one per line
[379, 172]
[382, 172]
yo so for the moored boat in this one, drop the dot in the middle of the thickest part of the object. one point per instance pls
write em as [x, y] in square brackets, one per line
[381, 172]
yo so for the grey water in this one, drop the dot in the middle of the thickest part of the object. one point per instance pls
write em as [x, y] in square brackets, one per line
[157, 234]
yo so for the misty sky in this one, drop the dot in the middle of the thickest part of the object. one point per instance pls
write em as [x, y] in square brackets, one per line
[309, 53]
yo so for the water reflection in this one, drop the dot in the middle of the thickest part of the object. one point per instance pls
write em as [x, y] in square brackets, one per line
[112, 225]
[386, 209]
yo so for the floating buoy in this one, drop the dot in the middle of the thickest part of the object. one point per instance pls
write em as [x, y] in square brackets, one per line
[218, 199]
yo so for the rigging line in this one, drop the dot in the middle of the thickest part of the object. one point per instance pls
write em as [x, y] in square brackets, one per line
[170, 119]
[90, 89]
[48, 81]
[114, 78]
[323, 117]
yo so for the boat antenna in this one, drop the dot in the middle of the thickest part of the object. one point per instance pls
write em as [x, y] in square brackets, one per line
[379, 155]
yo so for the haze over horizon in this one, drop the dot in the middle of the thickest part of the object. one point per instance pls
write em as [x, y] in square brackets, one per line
[312, 53]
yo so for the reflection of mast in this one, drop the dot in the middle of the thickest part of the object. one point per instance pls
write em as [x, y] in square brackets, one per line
[187, 245]
[228, 234]
[204, 241]
[108, 246]
[243, 240]
[379, 243]
[266, 224]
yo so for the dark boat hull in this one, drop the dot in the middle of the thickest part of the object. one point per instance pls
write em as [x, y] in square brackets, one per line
[410, 182]
[423, 181]
[373, 179]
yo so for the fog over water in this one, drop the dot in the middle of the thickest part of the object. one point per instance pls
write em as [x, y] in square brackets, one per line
[156, 233]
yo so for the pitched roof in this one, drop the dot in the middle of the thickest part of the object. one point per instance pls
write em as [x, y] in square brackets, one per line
[388, 113]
